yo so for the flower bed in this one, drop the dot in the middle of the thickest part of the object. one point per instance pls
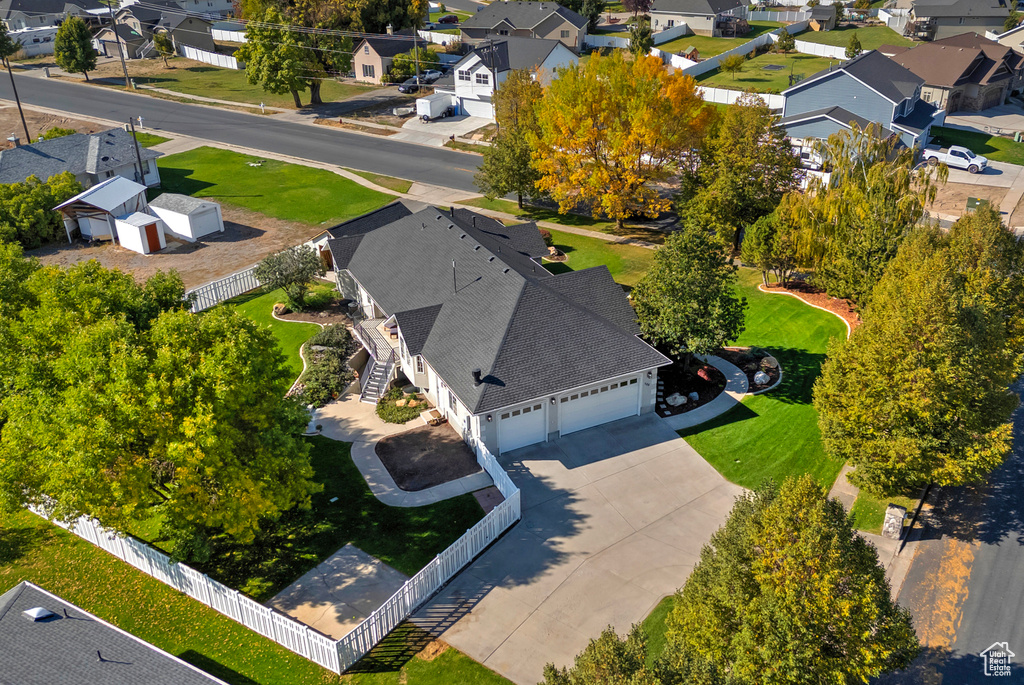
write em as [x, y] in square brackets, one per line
[703, 379]
[397, 407]
[752, 361]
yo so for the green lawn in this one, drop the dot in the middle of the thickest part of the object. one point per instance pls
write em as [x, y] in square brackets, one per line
[399, 185]
[709, 47]
[774, 434]
[996, 148]
[654, 627]
[529, 213]
[626, 262]
[192, 78]
[258, 306]
[869, 511]
[755, 77]
[291, 192]
[463, 16]
[150, 139]
[870, 37]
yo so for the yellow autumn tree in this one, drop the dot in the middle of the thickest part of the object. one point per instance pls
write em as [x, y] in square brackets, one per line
[612, 127]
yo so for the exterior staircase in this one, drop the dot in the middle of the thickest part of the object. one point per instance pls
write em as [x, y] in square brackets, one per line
[377, 381]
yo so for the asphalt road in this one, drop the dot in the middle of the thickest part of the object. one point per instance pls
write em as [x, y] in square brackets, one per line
[438, 166]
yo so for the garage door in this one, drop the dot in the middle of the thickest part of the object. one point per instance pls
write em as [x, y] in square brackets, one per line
[205, 223]
[600, 404]
[478, 108]
[521, 427]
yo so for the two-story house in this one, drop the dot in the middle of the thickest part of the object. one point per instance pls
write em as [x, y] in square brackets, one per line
[481, 72]
[526, 19]
[962, 73]
[702, 17]
[373, 55]
[937, 19]
[870, 88]
[137, 24]
[208, 9]
[18, 15]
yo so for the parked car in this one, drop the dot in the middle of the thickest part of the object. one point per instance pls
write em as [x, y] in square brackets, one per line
[430, 75]
[409, 86]
[448, 19]
[956, 156]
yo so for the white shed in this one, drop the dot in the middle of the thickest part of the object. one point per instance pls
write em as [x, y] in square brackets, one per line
[141, 232]
[188, 218]
[92, 212]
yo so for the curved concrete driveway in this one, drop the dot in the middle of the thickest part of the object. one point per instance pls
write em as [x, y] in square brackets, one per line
[614, 519]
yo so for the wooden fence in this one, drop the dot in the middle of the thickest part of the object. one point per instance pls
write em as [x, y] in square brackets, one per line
[211, 294]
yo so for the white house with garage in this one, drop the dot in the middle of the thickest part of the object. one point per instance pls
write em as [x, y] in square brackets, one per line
[508, 352]
[188, 218]
[478, 74]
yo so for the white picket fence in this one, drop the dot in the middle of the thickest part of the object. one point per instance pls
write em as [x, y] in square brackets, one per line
[830, 51]
[724, 96]
[228, 36]
[764, 15]
[335, 655]
[211, 294]
[214, 58]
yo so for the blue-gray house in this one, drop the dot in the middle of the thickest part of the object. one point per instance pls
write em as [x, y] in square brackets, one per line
[870, 88]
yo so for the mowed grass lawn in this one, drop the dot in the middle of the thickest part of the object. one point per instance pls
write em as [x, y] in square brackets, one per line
[755, 77]
[996, 148]
[291, 192]
[870, 37]
[150, 139]
[709, 47]
[258, 306]
[195, 78]
[775, 435]
[627, 263]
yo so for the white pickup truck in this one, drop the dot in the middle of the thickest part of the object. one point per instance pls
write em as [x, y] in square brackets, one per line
[956, 156]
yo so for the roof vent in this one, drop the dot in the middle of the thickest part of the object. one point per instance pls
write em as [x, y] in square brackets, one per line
[476, 248]
[104, 158]
[38, 614]
[462, 236]
[491, 258]
[438, 217]
[451, 226]
[504, 271]
[476, 377]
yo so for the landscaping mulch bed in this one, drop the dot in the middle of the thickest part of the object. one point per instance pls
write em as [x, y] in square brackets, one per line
[426, 456]
[749, 361]
[334, 313]
[672, 379]
[811, 295]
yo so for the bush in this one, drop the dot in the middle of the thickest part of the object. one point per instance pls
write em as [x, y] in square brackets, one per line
[26, 209]
[332, 336]
[389, 411]
[326, 377]
[318, 300]
[58, 132]
[548, 239]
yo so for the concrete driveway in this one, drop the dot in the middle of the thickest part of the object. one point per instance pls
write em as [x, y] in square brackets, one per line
[997, 175]
[437, 131]
[614, 519]
[1002, 119]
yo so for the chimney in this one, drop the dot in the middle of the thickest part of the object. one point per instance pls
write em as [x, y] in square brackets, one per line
[391, 30]
[476, 377]
[13, 138]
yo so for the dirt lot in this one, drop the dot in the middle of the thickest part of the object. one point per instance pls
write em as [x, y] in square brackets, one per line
[37, 124]
[248, 237]
[426, 456]
[952, 197]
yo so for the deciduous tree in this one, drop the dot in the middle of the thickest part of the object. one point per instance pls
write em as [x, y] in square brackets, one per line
[507, 165]
[72, 48]
[787, 592]
[293, 270]
[26, 209]
[164, 45]
[327, 54]
[768, 246]
[686, 301]
[273, 58]
[786, 42]
[610, 128]
[637, 7]
[840, 11]
[403, 65]
[732, 64]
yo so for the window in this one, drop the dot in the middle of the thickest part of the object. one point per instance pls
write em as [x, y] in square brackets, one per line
[504, 416]
[632, 381]
[463, 75]
[670, 23]
[963, 20]
[419, 364]
[452, 404]
[565, 34]
[526, 410]
[366, 49]
[564, 400]
[514, 413]
[502, 32]
[537, 407]
[482, 78]
[369, 71]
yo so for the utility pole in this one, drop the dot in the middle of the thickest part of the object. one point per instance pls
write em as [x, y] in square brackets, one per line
[28, 138]
[416, 51]
[120, 51]
[138, 154]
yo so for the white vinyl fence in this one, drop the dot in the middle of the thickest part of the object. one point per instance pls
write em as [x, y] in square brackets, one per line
[440, 38]
[676, 61]
[830, 51]
[665, 36]
[228, 36]
[214, 58]
[335, 655]
[724, 96]
[211, 294]
[602, 40]
[778, 16]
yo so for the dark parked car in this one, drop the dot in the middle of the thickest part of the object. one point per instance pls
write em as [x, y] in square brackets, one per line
[409, 86]
[448, 19]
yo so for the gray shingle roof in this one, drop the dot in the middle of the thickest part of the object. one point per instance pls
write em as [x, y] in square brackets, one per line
[515, 52]
[494, 309]
[521, 15]
[63, 648]
[961, 8]
[370, 221]
[885, 75]
[842, 116]
[918, 120]
[695, 6]
[78, 153]
[44, 6]
[182, 204]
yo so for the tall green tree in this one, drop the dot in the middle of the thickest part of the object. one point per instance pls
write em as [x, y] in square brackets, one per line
[293, 270]
[920, 391]
[787, 592]
[403, 65]
[840, 11]
[273, 58]
[327, 55]
[164, 45]
[686, 302]
[641, 38]
[768, 246]
[786, 42]
[853, 47]
[732, 64]
[507, 165]
[26, 209]
[72, 48]
[592, 10]
[849, 228]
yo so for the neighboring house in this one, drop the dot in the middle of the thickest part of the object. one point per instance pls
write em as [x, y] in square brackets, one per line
[509, 353]
[478, 73]
[214, 9]
[526, 19]
[128, 40]
[937, 19]
[92, 158]
[138, 23]
[823, 18]
[372, 57]
[93, 213]
[27, 14]
[45, 639]
[703, 17]
[962, 73]
[868, 88]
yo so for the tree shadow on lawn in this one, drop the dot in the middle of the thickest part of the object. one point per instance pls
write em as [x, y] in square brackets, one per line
[17, 542]
[800, 368]
[215, 668]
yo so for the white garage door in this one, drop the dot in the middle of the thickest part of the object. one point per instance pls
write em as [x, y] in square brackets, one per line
[521, 427]
[205, 223]
[597, 405]
[478, 108]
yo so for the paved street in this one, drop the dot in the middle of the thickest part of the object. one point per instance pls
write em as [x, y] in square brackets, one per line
[614, 519]
[437, 166]
[966, 586]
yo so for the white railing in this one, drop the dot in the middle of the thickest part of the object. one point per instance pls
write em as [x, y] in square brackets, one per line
[211, 294]
[600, 40]
[724, 96]
[759, 15]
[228, 36]
[830, 51]
[214, 58]
[670, 34]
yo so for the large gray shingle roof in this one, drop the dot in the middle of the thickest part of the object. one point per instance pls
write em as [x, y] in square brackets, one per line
[182, 204]
[521, 15]
[695, 6]
[530, 332]
[877, 71]
[78, 153]
[515, 52]
[63, 648]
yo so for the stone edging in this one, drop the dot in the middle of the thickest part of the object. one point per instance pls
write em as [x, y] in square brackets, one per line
[849, 328]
